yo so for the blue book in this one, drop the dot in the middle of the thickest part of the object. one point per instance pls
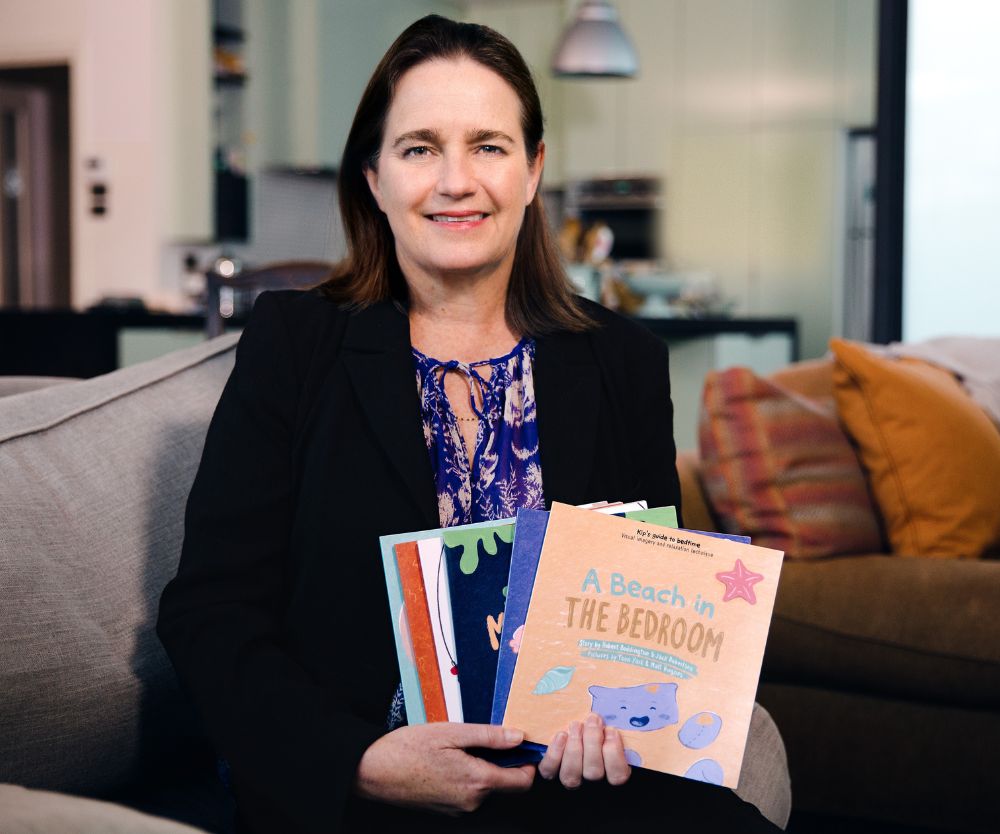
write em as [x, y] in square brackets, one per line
[529, 534]
[478, 563]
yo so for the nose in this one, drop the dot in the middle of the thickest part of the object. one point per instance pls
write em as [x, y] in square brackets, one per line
[457, 176]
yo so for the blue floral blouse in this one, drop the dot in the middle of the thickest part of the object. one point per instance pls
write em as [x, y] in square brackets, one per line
[505, 473]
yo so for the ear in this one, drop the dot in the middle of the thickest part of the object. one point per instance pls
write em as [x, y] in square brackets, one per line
[371, 174]
[535, 174]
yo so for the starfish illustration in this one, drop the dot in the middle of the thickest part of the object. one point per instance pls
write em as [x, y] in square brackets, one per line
[739, 582]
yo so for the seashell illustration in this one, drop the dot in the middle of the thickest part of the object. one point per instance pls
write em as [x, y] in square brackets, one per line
[558, 677]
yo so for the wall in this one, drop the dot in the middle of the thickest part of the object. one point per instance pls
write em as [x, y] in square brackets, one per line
[741, 107]
[133, 107]
[951, 280]
[310, 61]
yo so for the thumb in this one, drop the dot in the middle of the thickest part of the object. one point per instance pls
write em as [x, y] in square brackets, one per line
[488, 735]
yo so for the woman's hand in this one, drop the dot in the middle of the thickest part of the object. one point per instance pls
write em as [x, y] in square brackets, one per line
[588, 751]
[427, 766]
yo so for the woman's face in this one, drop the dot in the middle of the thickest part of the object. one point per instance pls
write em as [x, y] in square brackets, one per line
[453, 176]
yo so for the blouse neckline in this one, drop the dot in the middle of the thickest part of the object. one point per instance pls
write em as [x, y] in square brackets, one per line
[497, 360]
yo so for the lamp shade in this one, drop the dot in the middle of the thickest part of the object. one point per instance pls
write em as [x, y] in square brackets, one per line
[594, 45]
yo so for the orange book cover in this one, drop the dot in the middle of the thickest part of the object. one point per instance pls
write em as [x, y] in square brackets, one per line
[659, 631]
[421, 633]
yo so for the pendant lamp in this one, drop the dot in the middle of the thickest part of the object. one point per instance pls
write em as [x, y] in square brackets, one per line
[594, 45]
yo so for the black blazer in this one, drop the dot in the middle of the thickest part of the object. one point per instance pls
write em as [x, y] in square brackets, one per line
[277, 622]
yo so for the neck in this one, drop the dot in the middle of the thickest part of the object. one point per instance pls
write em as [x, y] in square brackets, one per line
[462, 319]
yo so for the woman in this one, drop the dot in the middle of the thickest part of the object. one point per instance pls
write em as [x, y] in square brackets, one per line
[444, 374]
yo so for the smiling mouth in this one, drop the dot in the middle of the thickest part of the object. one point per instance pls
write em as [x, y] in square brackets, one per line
[458, 218]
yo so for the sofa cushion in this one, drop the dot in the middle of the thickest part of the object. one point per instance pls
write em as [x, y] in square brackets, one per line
[10, 385]
[24, 811]
[777, 467]
[913, 629]
[95, 475]
[931, 453]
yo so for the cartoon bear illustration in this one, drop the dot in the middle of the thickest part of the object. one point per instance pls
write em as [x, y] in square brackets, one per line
[645, 707]
[653, 706]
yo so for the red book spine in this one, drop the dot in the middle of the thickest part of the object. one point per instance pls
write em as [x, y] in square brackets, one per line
[418, 618]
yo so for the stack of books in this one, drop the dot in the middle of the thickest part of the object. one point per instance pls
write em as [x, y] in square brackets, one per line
[537, 621]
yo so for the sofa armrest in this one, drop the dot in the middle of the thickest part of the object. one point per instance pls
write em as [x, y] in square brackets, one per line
[694, 506]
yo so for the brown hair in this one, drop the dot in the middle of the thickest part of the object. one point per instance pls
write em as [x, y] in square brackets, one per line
[540, 298]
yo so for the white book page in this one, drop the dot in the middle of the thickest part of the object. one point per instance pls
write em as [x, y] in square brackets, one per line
[439, 603]
[614, 509]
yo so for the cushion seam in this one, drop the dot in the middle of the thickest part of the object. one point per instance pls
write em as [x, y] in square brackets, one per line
[885, 643]
[109, 398]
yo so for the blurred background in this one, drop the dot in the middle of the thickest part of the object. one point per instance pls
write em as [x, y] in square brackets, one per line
[731, 177]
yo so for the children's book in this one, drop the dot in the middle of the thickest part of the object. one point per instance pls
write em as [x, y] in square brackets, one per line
[478, 561]
[439, 605]
[397, 611]
[418, 623]
[659, 631]
[478, 566]
[528, 537]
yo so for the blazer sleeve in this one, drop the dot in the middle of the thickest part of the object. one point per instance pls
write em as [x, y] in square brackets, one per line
[292, 746]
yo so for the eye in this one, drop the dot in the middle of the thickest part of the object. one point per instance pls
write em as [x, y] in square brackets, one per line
[416, 150]
[492, 150]
[622, 707]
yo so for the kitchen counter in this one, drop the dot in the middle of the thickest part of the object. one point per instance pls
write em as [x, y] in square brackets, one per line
[68, 343]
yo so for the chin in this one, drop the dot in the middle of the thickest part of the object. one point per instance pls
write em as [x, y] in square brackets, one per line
[464, 267]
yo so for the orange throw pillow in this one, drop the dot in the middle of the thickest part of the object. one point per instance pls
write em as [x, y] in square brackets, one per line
[931, 453]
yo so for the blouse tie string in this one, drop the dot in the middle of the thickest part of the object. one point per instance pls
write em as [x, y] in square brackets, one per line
[471, 376]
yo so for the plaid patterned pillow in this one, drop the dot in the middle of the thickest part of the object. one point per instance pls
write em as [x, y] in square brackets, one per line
[777, 467]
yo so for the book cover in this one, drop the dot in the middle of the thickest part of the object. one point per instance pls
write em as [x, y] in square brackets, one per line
[478, 563]
[659, 631]
[418, 621]
[528, 536]
[397, 612]
[529, 532]
[439, 604]
[400, 631]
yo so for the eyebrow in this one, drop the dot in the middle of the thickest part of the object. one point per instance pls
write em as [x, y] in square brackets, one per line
[433, 137]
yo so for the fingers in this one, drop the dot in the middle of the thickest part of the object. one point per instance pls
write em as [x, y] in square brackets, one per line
[548, 767]
[571, 769]
[616, 768]
[484, 735]
[593, 744]
[579, 753]
[514, 779]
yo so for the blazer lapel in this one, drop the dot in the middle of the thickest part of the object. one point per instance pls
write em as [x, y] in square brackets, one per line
[377, 355]
[567, 394]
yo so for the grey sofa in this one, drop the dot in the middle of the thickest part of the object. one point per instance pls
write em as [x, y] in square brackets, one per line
[94, 476]
[93, 479]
